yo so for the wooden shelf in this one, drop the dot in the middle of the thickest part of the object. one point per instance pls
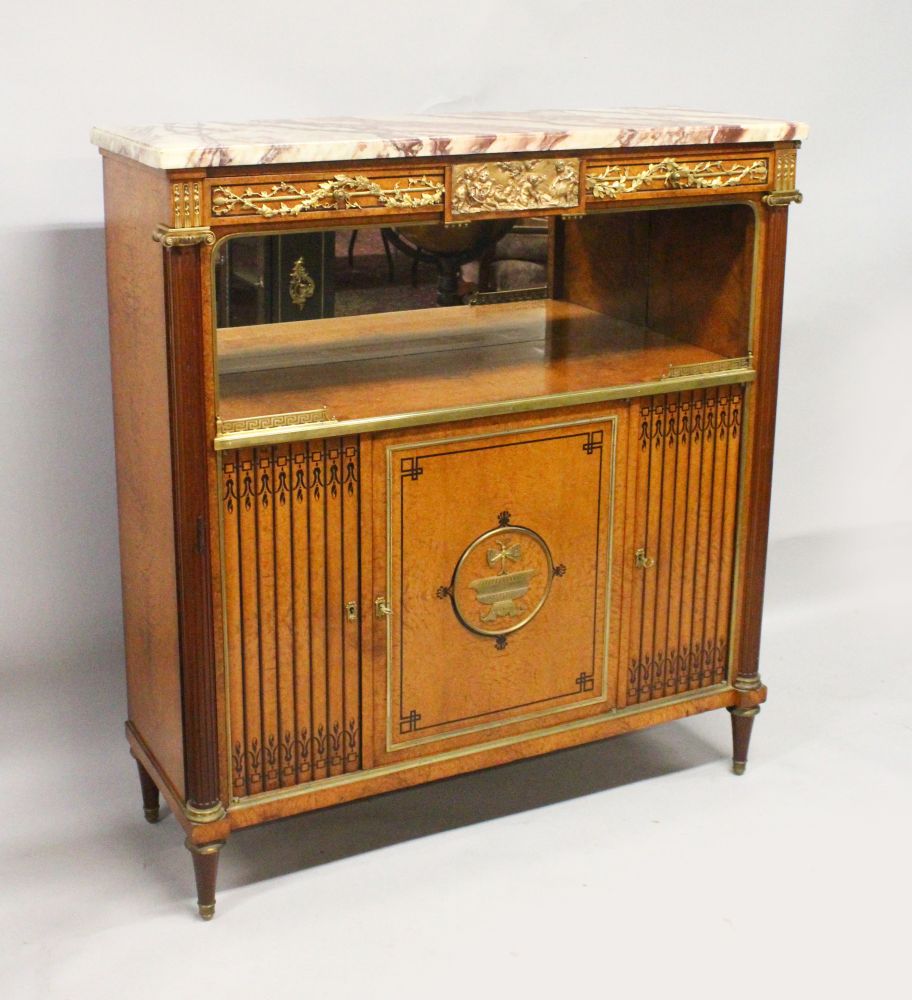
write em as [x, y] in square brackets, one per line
[384, 364]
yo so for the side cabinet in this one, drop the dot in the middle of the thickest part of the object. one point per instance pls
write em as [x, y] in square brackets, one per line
[496, 577]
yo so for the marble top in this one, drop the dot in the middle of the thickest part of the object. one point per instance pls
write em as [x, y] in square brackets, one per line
[311, 140]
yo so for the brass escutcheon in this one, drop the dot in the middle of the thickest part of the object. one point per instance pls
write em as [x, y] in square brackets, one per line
[642, 561]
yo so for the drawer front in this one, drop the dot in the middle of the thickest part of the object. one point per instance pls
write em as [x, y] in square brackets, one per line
[498, 581]
[684, 469]
[675, 176]
[326, 195]
[290, 520]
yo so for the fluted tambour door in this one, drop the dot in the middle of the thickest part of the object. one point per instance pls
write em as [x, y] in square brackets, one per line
[290, 518]
[685, 453]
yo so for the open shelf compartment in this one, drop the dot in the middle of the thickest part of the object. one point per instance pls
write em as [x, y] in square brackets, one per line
[612, 300]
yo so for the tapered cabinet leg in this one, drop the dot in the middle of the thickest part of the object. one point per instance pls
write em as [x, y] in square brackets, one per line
[205, 868]
[149, 794]
[742, 724]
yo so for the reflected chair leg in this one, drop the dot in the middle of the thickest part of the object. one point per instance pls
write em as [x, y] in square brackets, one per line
[205, 868]
[742, 724]
[149, 794]
[389, 256]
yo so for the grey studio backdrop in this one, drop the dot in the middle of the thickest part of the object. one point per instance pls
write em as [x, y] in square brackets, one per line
[89, 890]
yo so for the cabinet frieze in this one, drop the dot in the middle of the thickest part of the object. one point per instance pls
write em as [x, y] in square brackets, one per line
[460, 190]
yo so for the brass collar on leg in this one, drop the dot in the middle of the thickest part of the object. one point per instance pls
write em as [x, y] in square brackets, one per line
[210, 814]
[750, 682]
[203, 849]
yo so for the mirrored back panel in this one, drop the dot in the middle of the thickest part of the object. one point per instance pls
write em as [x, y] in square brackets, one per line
[374, 321]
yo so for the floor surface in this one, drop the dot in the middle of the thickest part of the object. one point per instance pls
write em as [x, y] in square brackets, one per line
[632, 867]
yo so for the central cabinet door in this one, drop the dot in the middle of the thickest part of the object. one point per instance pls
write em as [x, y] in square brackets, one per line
[496, 591]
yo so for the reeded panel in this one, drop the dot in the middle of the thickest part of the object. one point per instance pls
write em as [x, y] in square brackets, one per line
[291, 540]
[684, 469]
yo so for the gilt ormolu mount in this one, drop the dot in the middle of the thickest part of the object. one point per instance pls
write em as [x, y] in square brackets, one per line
[374, 533]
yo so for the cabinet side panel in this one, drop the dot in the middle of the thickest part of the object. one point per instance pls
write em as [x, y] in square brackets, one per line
[603, 264]
[136, 200]
[702, 295]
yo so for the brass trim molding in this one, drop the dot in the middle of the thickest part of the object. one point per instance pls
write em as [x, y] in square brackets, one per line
[336, 193]
[614, 181]
[510, 294]
[705, 367]
[189, 236]
[514, 186]
[734, 617]
[276, 429]
[355, 777]
[272, 421]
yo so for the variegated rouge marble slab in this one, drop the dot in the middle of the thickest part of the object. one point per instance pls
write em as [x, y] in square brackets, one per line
[309, 140]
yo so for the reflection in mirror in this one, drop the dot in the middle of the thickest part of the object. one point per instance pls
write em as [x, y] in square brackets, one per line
[352, 272]
[286, 304]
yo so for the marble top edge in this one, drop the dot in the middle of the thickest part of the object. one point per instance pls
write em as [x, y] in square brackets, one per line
[312, 140]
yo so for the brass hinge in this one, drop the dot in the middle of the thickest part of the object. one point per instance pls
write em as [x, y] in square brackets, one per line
[382, 608]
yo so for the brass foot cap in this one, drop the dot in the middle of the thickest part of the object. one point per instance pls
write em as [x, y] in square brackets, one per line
[207, 910]
[152, 815]
[738, 766]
